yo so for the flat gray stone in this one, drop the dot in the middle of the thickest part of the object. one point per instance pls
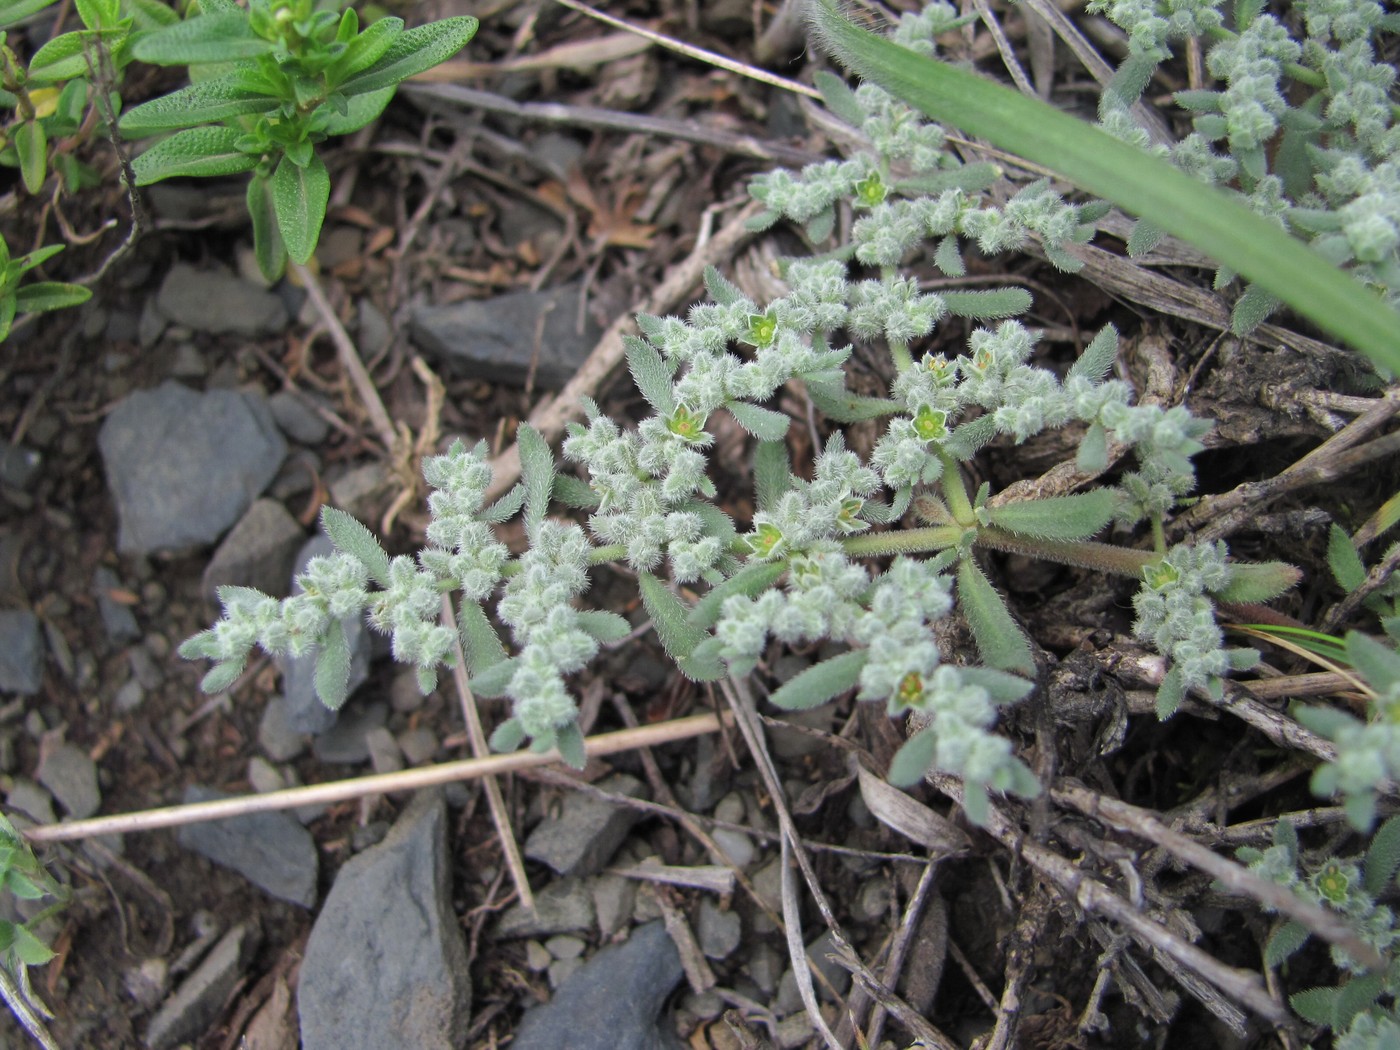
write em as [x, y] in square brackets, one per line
[18, 465]
[347, 742]
[564, 906]
[183, 467]
[278, 738]
[28, 797]
[71, 776]
[298, 420]
[496, 339]
[586, 832]
[117, 618]
[21, 652]
[259, 552]
[271, 850]
[613, 1002]
[717, 931]
[386, 964]
[218, 301]
[198, 1001]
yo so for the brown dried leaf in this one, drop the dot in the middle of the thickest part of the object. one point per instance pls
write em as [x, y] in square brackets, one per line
[909, 817]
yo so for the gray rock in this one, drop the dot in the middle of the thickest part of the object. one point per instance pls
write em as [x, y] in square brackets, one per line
[374, 331]
[717, 931]
[587, 831]
[278, 738]
[359, 491]
[71, 776]
[298, 420]
[259, 552]
[28, 797]
[182, 467]
[614, 897]
[347, 742]
[270, 850]
[496, 339]
[737, 846]
[613, 1002]
[18, 465]
[418, 745]
[386, 964]
[565, 906]
[117, 618]
[384, 753]
[201, 996]
[304, 711]
[218, 301]
[765, 968]
[21, 652]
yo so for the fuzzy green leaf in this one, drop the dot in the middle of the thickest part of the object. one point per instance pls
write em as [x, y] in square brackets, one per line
[1146, 235]
[1098, 357]
[365, 49]
[569, 740]
[1143, 185]
[221, 676]
[670, 617]
[1170, 693]
[1252, 309]
[1075, 517]
[970, 178]
[300, 194]
[221, 37]
[537, 473]
[1346, 565]
[1001, 643]
[509, 505]
[352, 538]
[851, 408]
[821, 682]
[508, 736]
[913, 759]
[413, 52]
[722, 290]
[1092, 457]
[360, 111]
[1383, 857]
[50, 295]
[651, 373]
[574, 492]
[493, 681]
[333, 667]
[29, 949]
[772, 473]
[763, 423]
[604, 627]
[1356, 995]
[64, 57]
[1378, 663]
[752, 580]
[1258, 581]
[13, 11]
[205, 102]
[480, 643]
[1324, 721]
[988, 305]
[268, 248]
[1002, 687]
[839, 98]
[205, 152]
[32, 149]
[1284, 941]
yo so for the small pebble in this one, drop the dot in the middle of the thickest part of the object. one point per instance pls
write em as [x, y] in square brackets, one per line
[537, 956]
[563, 946]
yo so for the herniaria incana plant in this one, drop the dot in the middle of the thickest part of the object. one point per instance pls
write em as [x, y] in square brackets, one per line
[862, 555]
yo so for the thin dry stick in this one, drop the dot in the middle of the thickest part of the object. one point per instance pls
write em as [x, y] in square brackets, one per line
[349, 359]
[499, 815]
[1092, 895]
[379, 784]
[894, 965]
[549, 417]
[690, 51]
[1236, 878]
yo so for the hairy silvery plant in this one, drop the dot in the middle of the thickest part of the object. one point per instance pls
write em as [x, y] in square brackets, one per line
[811, 565]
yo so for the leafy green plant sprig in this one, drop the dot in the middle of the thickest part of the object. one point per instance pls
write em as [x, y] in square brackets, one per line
[801, 570]
[269, 84]
[35, 296]
[1361, 1010]
[24, 878]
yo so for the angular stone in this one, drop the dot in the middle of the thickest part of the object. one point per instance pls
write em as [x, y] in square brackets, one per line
[587, 831]
[613, 1002]
[258, 552]
[182, 467]
[497, 339]
[201, 996]
[218, 301]
[270, 850]
[71, 776]
[117, 617]
[21, 652]
[717, 931]
[386, 964]
[565, 906]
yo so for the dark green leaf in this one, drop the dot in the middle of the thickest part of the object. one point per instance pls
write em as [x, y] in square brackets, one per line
[605, 627]
[206, 102]
[772, 474]
[220, 37]
[299, 198]
[751, 581]
[365, 49]
[413, 52]
[1284, 941]
[360, 112]
[851, 408]
[13, 11]
[1346, 565]
[268, 248]
[1170, 693]
[1000, 642]
[29, 949]
[569, 740]
[821, 682]
[32, 148]
[62, 58]
[480, 643]
[195, 151]
[509, 735]
[1356, 995]
[50, 295]
[651, 373]
[495, 679]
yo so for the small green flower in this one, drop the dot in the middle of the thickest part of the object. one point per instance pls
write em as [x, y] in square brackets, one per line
[763, 329]
[931, 424]
[1162, 576]
[1332, 882]
[871, 191]
[767, 540]
[687, 425]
